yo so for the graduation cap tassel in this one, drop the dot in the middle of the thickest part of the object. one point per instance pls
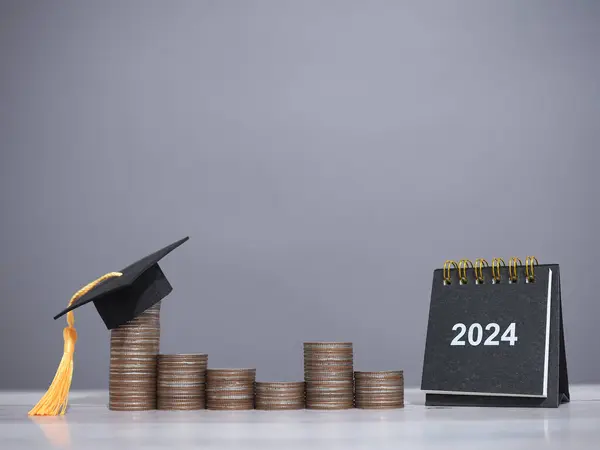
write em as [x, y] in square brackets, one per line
[54, 402]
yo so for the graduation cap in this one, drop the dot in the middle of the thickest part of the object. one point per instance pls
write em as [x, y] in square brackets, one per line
[122, 298]
[118, 297]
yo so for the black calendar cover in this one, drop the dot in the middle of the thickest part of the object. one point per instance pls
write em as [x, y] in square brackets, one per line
[496, 338]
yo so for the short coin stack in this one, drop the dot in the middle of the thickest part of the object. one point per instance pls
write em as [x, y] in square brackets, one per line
[230, 389]
[133, 350]
[280, 396]
[181, 381]
[329, 375]
[379, 390]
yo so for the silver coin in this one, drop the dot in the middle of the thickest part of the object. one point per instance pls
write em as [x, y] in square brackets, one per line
[327, 344]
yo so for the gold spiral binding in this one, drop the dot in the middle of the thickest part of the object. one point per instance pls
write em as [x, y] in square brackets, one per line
[529, 273]
[462, 270]
[479, 263]
[496, 269]
[512, 268]
[446, 270]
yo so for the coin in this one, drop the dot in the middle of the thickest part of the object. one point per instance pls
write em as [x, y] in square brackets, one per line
[381, 375]
[329, 375]
[133, 362]
[379, 390]
[330, 405]
[280, 395]
[181, 381]
[230, 389]
[328, 345]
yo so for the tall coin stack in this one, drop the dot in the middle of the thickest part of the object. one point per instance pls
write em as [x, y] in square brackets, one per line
[379, 390]
[133, 350]
[279, 396]
[230, 389]
[329, 375]
[181, 381]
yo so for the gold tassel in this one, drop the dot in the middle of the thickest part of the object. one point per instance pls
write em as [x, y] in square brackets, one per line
[55, 400]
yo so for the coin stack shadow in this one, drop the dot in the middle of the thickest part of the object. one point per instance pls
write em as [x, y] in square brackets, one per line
[230, 389]
[279, 396]
[329, 375]
[379, 390]
[133, 350]
[181, 381]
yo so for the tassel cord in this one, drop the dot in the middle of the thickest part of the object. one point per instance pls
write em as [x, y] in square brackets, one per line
[55, 400]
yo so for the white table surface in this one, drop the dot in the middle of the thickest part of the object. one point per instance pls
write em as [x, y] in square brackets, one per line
[90, 425]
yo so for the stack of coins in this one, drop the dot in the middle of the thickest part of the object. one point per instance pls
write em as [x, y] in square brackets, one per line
[379, 390]
[181, 381]
[329, 375]
[279, 396]
[230, 389]
[133, 350]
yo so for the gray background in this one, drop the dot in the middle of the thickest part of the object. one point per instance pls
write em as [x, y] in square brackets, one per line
[324, 157]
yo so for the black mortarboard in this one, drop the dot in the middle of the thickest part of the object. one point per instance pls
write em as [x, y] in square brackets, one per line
[121, 299]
